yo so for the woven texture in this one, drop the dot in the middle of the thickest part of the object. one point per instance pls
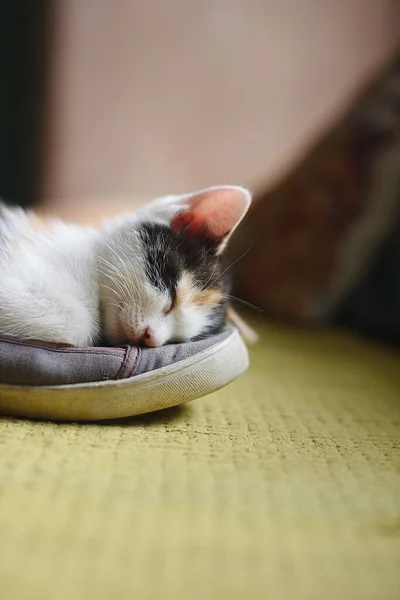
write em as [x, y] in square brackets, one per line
[285, 484]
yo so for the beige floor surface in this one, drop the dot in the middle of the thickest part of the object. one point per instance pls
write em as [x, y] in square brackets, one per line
[285, 484]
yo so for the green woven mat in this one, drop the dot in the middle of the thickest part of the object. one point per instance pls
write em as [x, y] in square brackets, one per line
[285, 484]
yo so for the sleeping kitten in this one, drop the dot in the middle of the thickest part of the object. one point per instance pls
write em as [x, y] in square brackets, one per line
[149, 278]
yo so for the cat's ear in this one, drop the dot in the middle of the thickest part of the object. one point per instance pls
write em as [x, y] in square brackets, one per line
[212, 214]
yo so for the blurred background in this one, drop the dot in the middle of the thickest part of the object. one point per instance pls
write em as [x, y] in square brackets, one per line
[105, 105]
[130, 99]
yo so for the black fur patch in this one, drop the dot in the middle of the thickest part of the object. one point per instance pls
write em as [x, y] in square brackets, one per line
[163, 265]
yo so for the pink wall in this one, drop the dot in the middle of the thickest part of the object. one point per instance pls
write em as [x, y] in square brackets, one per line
[157, 96]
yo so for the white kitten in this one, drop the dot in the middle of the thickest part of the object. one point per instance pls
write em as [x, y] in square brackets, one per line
[149, 278]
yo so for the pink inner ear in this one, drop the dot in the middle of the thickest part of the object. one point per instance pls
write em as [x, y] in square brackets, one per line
[213, 214]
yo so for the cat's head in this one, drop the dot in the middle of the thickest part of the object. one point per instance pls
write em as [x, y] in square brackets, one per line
[161, 270]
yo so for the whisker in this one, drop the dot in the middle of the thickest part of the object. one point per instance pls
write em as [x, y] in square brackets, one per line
[107, 287]
[120, 287]
[125, 282]
[211, 276]
[120, 292]
[231, 265]
[257, 308]
[130, 282]
[133, 272]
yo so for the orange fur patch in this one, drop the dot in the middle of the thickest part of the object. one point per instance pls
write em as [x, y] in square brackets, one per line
[187, 292]
[208, 298]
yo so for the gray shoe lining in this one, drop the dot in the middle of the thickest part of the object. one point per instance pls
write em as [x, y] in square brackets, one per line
[31, 363]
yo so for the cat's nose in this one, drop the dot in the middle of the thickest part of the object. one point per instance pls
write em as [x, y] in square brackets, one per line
[147, 338]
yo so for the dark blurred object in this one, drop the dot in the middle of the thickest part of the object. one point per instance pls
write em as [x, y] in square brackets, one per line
[324, 241]
[24, 33]
[373, 307]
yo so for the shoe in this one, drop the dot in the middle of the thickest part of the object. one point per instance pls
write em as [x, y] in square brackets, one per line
[52, 382]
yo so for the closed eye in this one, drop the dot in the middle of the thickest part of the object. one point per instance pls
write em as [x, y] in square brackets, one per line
[171, 305]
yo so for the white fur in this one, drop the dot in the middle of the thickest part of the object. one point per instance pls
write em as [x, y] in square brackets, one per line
[64, 283]
[48, 289]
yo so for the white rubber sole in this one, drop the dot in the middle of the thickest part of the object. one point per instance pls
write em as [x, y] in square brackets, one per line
[181, 382]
